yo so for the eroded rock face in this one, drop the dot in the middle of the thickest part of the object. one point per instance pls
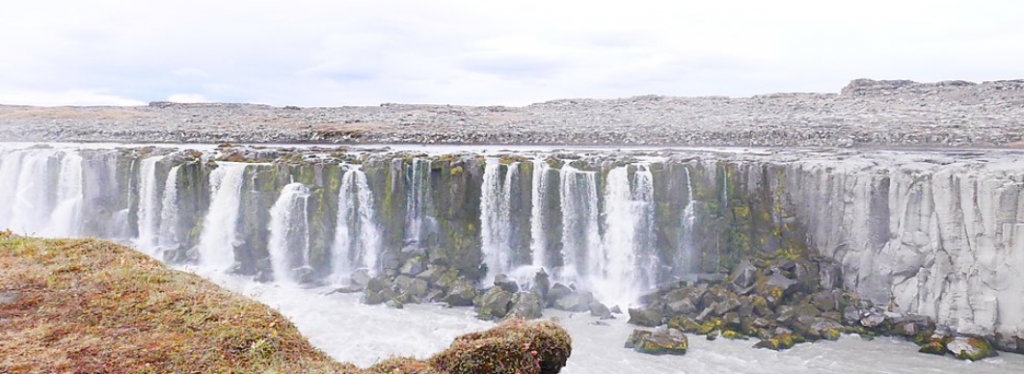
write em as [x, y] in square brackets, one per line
[941, 238]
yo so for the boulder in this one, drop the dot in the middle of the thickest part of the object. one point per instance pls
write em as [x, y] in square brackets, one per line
[462, 293]
[413, 267]
[494, 304]
[557, 292]
[970, 348]
[662, 342]
[361, 277]
[778, 286]
[825, 301]
[600, 310]
[645, 317]
[684, 306]
[743, 277]
[413, 286]
[780, 342]
[506, 283]
[515, 346]
[575, 302]
[635, 337]
[525, 305]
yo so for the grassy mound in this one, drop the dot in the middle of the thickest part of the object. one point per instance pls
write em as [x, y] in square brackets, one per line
[91, 306]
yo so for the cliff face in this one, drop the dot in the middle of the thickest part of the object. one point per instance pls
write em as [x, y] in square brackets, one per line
[937, 234]
[938, 237]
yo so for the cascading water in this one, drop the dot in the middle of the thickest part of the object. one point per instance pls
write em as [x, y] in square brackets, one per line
[149, 206]
[220, 228]
[621, 269]
[30, 211]
[580, 227]
[357, 238]
[10, 168]
[169, 213]
[289, 232]
[538, 241]
[66, 218]
[495, 216]
[417, 201]
[689, 218]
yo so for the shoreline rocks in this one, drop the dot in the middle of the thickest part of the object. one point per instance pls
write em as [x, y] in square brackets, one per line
[784, 302]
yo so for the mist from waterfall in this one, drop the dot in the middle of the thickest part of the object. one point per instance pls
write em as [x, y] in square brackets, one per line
[289, 232]
[149, 206]
[220, 227]
[357, 237]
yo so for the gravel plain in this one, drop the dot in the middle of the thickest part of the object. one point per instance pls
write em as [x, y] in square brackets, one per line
[866, 113]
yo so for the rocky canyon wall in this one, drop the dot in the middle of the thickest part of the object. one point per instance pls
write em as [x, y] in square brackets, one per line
[933, 233]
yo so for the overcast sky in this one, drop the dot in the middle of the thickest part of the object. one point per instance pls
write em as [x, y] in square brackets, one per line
[329, 53]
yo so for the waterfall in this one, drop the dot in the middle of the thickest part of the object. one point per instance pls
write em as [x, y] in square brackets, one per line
[417, 201]
[580, 230]
[538, 240]
[495, 216]
[10, 168]
[289, 230]
[169, 212]
[689, 218]
[220, 228]
[149, 206]
[66, 218]
[30, 211]
[623, 269]
[357, 238]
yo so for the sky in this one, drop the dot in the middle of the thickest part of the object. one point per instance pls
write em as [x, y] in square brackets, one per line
[334, 53]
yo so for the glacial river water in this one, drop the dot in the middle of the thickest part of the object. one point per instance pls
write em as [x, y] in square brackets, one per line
[362, 334]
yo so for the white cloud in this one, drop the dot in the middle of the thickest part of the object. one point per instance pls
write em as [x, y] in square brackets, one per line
[187, 98]
[62, 98]
[366, 52]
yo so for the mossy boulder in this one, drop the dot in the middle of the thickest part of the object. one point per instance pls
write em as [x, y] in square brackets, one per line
[780, 342]
[514, 347]
[662, 342]
[683, 323]
[970, 348]
[734, 335]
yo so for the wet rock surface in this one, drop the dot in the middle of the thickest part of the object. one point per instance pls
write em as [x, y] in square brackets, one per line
[864, 113]
[783, 305]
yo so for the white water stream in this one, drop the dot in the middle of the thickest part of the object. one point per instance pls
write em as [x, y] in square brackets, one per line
[289, 231]
[217, 242]
[357, 237]
[362, 334]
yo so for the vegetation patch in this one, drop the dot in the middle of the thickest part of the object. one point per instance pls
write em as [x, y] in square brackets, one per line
[91, 306]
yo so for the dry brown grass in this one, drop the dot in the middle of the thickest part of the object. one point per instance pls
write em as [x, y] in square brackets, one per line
[91, 306]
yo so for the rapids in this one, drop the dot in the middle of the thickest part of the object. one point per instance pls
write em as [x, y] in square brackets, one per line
[362, 334]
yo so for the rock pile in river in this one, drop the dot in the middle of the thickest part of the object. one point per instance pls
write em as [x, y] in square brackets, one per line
[865, 113]
[784, 302]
